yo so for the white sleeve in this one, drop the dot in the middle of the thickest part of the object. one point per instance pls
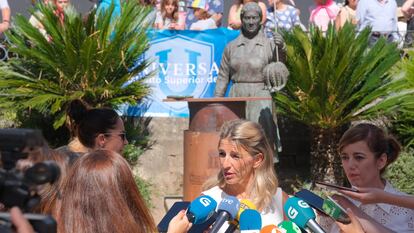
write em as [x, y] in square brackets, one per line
[211, 24]
[4, 4]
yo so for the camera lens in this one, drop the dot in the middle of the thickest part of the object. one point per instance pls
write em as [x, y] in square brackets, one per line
[42, 173]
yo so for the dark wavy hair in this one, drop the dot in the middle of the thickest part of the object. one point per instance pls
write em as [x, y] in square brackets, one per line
[377, 140]
[86, 123]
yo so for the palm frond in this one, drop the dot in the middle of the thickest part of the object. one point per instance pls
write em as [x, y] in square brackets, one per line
[91, 60]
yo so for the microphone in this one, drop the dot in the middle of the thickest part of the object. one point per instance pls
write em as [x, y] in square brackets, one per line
[201, 209]
[250, 221]
[226, 211]
[289, 227]
[299, 212]
[271, 229]
[244, 205]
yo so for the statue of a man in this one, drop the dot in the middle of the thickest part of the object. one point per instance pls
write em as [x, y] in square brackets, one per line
[244, 62]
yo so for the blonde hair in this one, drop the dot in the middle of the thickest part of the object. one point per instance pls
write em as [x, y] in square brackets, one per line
[251, 137]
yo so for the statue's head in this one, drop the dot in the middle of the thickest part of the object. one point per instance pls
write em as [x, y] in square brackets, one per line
[251, 18]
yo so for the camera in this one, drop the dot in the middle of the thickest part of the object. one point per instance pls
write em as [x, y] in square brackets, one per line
[19, 188]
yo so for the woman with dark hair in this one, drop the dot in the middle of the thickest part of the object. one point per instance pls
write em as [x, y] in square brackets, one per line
[94, 128]
[101, 196]
[366, 151]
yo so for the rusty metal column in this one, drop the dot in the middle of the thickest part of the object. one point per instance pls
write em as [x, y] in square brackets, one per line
[202, 137]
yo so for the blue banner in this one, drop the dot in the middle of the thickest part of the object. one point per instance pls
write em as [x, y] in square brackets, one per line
[186, 63]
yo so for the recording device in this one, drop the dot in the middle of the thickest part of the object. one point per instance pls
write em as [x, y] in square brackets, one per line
[18, 188]
[299, 212]
[328, 207]
[250, 221]
[226, 211]
[334, 186]
[200, 212]
[244, 205]
[289, 227]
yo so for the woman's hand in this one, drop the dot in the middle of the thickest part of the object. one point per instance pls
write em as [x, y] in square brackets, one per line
[353, 227]
[179, 224]
[366, 195]
[346, 204]
[20, 222]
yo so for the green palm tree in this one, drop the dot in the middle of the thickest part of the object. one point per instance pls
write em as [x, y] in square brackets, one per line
[403, 119]
[335, 78]
[88, 59]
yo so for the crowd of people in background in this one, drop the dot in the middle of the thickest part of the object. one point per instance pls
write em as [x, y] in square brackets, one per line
[385, 18]
[100, 194]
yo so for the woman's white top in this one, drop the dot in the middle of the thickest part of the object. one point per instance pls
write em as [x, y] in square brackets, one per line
[4, 4]
[393, 217]
[273, 214]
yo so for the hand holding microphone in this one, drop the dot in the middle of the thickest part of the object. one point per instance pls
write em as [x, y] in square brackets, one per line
[299, 212]
[179, 224]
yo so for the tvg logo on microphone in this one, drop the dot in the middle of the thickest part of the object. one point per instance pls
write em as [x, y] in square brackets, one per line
[205, 201]
[292, 213]
[303, 204]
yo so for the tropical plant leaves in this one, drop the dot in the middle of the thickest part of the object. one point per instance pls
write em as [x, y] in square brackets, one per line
[336, 78]
[90, 60]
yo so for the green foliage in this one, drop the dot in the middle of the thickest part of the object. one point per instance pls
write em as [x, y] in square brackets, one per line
[131, 153]
[145, 190]
[138, 138]
[403, 120]
[401, 172]
[89, 60]
[335, 78]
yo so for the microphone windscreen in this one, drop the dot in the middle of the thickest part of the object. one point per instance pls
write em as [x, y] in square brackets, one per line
[244, 205]
[298, 211]
[250, 220]
[231, 205]
[289, 227]
[201, 209]
[271, 229]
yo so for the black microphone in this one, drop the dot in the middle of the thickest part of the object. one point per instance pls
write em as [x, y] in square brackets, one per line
[226, 211]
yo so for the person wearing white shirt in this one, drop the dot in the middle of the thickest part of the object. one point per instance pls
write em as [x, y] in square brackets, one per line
[247, 172]
[5, 15]
[366, 151]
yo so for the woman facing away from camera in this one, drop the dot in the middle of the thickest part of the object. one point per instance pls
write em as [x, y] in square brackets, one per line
[92, 129]
[246, 171]
[366, 151]
[101, 196]
[48, 192]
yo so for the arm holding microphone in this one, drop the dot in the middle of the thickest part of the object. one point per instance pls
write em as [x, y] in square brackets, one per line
[179, 224]
[368, 224]
[376, 195]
